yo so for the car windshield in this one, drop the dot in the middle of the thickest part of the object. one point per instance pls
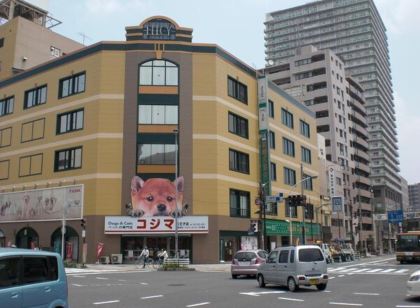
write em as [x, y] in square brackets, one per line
[310, 255]
[245, 256]
[408, 243]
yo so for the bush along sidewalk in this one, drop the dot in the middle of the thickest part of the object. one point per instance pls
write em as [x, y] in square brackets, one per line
[72, 264]
[175, 267]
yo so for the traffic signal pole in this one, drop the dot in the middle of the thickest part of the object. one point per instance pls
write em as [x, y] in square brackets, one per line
[303, 203]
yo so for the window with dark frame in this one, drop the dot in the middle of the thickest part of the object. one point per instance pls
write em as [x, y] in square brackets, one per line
[237, 90]
[273, 171]
[7, 105]
[156, 154]
[307, 182]
[72, 85]
[272, 139]
[286, 118]
[305, 129]
[36, 96]
[68, 159]
[290, 210]
[239, 203]
[288, 147]
[238, 125]
[306, 155]
[309, 211]
[289, 176]
[238, 161]
[271, 109]
[70, 121]
[158, 73]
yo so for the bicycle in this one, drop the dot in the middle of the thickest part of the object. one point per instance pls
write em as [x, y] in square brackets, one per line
[148, 264]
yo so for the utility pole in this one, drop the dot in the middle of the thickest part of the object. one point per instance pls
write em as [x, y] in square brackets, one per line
[262, 215]
[176, 196]
[303, 203]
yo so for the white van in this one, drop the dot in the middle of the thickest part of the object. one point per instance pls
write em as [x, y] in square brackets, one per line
[294, 266]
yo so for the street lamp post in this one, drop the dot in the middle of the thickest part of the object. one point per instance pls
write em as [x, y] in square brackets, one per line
[176, 195]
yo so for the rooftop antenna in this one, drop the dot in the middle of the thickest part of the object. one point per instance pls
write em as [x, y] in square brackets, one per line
[84, 37]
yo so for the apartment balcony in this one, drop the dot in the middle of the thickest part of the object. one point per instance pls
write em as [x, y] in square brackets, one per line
[362, 167]
[363, 154]
[362, 192]
[362, 142]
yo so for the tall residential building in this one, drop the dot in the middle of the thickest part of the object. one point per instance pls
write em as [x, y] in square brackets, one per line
[318, 79]
[405, 194]
[127, 134]
[354, 30]
[414, 196]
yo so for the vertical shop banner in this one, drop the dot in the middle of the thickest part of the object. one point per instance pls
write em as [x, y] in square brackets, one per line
[42, 204]
[99, 250]
[263, 134]
[331, 181]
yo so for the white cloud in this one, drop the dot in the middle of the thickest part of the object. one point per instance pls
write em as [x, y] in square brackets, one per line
[409, 136]
[400, 17]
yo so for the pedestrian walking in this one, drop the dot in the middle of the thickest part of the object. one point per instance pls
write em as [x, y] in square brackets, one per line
[145, 255]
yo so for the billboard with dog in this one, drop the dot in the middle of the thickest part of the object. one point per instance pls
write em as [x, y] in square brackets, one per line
[157, 197]
[42, 204]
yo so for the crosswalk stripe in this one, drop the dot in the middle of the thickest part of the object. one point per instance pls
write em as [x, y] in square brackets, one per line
[402, 271]
[375, 270]
[348, 270]
[336, 269]
[361, 270]
[388, 270]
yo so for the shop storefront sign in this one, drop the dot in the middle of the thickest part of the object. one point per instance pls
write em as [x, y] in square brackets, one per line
[281, 228]
[42, 204]
[155, 225]
[159, 29]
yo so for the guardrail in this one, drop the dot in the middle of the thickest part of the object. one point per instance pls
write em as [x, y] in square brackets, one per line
[180, 261]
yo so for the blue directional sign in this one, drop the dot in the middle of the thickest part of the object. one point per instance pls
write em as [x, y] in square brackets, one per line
[395, 216]
[337, 204]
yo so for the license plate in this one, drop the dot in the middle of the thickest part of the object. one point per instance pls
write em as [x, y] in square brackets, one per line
[313, 281]
[244, 263]
[408, 253]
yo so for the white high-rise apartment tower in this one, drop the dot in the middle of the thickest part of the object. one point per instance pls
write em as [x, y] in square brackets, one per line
[353, 30]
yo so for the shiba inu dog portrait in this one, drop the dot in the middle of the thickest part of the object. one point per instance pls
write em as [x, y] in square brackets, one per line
[157, 197]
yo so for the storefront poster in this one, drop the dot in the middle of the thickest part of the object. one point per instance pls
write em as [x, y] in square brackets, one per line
[157, 197]
[155, 225]
[249, 242]
[42, 204]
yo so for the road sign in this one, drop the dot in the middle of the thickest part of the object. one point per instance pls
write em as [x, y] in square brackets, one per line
[274, 199]
[378, 217]
[337, 204]
[395, 216]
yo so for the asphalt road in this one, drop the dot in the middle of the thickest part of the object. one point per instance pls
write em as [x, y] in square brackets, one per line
[380, 283]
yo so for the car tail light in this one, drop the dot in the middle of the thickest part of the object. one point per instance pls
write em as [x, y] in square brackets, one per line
[259, 261]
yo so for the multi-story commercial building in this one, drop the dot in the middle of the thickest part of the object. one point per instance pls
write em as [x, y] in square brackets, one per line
[128, 135]
[414, 196]
[318, 79]
[353, 30]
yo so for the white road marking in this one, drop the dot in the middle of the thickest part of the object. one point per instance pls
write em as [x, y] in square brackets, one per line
[348, 270]
[153, 296]
[341, 276]
[388, 270]
[261, 293]
[79, 276]
[331, 278]
[102, 278]
[198, 304]
[107, 302]
[345, 304]
[291, 299]
[402, 271]
[361, 293]
[336, 269]
[375, 270]
[407, 306]
[78, 285]
[144, 283]
[361, 270]
[327, 291]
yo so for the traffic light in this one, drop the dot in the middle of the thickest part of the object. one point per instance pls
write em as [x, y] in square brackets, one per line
[254, 226]
[296, 200]
[83, 223]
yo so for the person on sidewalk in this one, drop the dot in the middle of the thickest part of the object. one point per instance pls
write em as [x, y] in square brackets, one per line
[145, 255]
[162, 255]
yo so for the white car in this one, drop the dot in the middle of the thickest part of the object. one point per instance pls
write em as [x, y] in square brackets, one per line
[413, 284]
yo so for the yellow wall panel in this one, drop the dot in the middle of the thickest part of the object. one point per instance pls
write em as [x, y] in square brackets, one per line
[27, 131]
[36, 164]
[5, 137]
[24, 166]
[38, 129]
[4, 169]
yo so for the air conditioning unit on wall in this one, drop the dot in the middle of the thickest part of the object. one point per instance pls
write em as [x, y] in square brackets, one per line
[116, 258]
[104, 260]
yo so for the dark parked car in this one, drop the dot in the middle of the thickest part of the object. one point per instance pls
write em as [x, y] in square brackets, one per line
[247, 262]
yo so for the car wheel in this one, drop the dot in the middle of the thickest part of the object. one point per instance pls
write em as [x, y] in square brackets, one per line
[291, 285]
[261, 281]
[234, 276]
[321, 287]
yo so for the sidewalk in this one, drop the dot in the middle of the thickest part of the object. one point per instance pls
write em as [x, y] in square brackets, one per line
[101, 268]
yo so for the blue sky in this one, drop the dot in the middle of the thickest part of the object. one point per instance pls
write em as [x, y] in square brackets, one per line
[237, 26]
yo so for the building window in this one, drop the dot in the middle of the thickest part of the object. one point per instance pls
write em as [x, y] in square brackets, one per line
[30, 165]
[238, 161]
[270, 109]
[272, 140]
[158, 114]
[55, 52]
[70, 121]
[6, 105]
[239, 202]
[323, 128]
[289, 176]
[72, 85]
[316, 86]
[306, 155]
[288, 147]
[290, 211]
[158, 73]
[238, 125]
[1, 42]
[36, 96]
[273, 172]
[68, 159]
[156, 154]
[305, 129]
[307, 182]
[237, 90]
[323, 114]
[286, 118]
[309, 211]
